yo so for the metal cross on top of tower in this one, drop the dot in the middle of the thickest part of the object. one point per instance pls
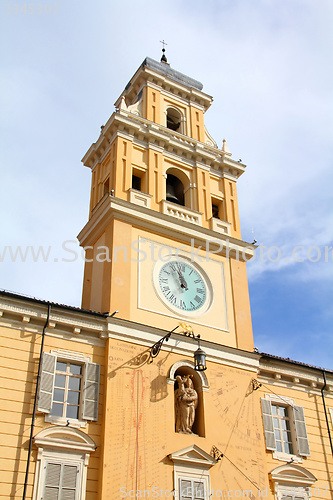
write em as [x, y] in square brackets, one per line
[163, 58]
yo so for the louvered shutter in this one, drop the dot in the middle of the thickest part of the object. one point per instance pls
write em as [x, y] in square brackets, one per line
[91, 391]
[60, 481]
[267, 417]
[52, 481]
[69, 480]
[301, 434]
[46, 383]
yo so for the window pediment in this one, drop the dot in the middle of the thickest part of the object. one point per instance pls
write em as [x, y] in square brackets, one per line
[64, 437]
[292, 474]
[192, 455]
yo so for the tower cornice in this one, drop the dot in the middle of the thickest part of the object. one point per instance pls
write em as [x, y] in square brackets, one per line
[168, 79]
[135, 128]
[163, 224]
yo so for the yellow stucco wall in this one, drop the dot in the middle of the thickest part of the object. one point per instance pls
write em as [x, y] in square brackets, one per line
[18, 371]
[135, 431]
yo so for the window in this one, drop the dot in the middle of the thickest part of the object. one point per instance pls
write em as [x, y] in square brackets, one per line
[282, 432]
[215, 211]
[136, 182]
[285, 429]
[292, 482]
[106, 187]
[69, 388]
[190, 489]
[62, 462]
[60, 481]
[191, 473]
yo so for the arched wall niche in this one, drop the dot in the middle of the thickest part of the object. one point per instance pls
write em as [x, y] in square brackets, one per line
[185, 369]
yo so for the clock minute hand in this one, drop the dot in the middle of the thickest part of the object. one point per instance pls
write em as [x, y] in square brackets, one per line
[183, 283]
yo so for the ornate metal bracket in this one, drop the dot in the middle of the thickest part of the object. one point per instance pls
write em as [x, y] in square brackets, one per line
[255, 384]
[216, 453]
[155, 349]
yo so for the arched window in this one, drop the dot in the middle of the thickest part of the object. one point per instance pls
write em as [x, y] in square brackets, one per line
[188, 393]
[175, 190]
[174, 120]
[62, 463]
[292, 482]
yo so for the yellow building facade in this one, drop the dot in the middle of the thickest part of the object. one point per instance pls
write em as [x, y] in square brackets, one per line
[107, 401]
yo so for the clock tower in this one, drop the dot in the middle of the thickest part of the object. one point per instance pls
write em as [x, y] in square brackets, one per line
[163, 241]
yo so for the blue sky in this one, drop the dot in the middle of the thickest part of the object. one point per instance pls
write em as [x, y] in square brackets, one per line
[268, 65]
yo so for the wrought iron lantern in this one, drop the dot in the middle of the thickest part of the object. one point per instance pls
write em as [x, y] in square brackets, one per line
[200, 360]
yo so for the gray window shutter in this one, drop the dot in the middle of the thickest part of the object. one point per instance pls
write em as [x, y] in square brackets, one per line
[91, 391]
[301, 434]
[69, 479]
[60, 478]
[267, 417]
[46, 383]
[52, 481]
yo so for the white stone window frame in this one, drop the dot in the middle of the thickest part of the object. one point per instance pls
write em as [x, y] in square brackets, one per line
[65, 445]
[192, 464]
[292, 480]
[74, 357]
[289, 403]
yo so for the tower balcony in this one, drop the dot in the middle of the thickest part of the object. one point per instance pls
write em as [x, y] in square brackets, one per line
[180, 212]
[220, 226]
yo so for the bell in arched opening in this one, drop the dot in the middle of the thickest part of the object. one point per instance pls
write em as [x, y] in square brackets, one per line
[174, 190]
[174, 120]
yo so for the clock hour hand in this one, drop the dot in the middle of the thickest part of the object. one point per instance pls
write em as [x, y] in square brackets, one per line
[183, 283]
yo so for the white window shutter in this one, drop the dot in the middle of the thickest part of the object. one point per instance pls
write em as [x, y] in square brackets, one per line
[46, 383]
[267, 417]
[191, 490]
[301, 434]
[91, 391]
[185, 489]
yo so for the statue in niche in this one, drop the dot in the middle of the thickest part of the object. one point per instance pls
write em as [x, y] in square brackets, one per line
[186, 401]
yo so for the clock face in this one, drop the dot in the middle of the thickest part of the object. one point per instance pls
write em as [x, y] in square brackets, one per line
[183, 286]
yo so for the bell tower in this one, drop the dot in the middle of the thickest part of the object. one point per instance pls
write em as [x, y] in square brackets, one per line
[163, 241]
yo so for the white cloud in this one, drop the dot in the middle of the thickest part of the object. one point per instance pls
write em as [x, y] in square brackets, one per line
[268, 66]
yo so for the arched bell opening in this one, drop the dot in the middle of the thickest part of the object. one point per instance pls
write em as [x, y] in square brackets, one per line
[189, 407]
[175, 190]
[174, 120]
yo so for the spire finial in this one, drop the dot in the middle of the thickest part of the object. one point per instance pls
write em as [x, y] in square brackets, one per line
[163, 58]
